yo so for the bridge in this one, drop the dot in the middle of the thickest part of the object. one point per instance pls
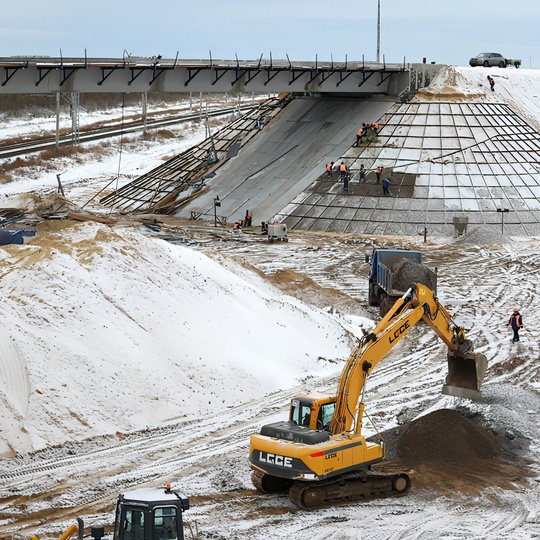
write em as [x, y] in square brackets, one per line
[48, 75]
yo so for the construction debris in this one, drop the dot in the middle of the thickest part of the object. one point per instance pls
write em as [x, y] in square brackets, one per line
[183, 177]
[90, 217]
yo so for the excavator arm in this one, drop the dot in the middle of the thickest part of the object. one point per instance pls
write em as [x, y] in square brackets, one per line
[466, 369]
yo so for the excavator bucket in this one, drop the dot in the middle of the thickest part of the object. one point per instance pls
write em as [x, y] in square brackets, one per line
[465, 375]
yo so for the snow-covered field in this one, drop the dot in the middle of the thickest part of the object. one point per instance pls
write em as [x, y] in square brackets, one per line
[127, 361]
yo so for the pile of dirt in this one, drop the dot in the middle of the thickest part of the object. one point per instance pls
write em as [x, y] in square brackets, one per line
[409, 271]
[445, 437]
[446, 452]
[309, 291]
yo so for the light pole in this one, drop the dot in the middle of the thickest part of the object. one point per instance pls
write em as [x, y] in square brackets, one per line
[378, 31]
[216, 204]
[502, 211]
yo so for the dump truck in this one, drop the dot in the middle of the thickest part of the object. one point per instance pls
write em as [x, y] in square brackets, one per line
[391, 273]
[320, 455]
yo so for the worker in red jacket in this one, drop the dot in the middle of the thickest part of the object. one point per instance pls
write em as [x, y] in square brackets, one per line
[516, 322]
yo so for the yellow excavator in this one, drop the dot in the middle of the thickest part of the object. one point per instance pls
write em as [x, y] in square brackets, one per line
[320, 455]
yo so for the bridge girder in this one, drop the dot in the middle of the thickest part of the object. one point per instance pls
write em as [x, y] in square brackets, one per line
[20, 75]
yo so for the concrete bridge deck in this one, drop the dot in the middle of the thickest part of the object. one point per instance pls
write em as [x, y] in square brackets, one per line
[129, 74]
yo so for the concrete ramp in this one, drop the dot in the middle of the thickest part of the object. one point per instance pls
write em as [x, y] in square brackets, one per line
[286, 157]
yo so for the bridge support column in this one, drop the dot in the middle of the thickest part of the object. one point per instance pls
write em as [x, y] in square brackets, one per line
[57, 135]
[75, 109]
[144, 109]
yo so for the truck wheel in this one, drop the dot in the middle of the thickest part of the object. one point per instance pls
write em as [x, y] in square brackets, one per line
[383, 304]
[486, 63]
[373, 300]
[502, 65]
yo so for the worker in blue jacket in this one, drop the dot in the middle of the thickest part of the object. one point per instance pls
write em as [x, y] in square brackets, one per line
[386, 186]
[516, 322]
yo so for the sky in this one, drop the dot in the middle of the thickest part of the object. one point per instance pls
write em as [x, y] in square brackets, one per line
[446, 33]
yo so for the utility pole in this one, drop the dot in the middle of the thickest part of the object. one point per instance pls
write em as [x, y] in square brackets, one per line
[378, 31]
[217, 203]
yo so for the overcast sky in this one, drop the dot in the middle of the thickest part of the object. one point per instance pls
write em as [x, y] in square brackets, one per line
[445, 32]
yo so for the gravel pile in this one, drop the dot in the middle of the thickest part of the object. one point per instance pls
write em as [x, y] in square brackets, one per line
[409, 271]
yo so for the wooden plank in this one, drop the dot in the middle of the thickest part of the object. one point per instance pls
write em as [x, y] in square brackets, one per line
[90, 217]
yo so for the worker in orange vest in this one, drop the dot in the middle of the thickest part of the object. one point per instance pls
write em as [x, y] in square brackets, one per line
[359, 135]
[378, 173]
[516, 322]
[329, 168]
[343, 171]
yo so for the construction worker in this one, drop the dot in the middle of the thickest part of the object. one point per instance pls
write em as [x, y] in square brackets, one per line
[491, 82]
[378, 173]
[359, 135]
[516, 322]
[343, 171]
[362, 174]
[386, 186]
[346, 182]
[329, 169]
[247, 219]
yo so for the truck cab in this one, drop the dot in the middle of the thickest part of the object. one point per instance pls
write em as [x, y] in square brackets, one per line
[150, 514]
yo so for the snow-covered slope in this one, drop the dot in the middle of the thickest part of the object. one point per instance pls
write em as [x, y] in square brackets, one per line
[518, 87]
[113, 331]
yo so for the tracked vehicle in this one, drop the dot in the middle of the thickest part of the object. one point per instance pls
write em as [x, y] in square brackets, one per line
[320, 455]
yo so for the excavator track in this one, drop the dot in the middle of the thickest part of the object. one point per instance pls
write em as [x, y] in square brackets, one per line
[266, 483]
[348, 488]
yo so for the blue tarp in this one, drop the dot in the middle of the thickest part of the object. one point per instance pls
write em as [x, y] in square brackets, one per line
[10, 237]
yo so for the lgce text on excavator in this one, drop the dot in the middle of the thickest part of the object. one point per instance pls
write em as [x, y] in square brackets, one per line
[320, 455]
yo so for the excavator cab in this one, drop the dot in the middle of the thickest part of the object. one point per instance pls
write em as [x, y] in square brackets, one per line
[150, 514]
[313, 411]
[141, 514]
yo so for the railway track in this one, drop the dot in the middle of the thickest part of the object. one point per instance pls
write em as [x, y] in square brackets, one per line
[39, 145]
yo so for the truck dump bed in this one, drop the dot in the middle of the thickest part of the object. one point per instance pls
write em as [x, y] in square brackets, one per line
[383, 262]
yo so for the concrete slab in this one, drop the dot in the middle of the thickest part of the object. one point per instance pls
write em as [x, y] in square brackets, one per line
[286, 157]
